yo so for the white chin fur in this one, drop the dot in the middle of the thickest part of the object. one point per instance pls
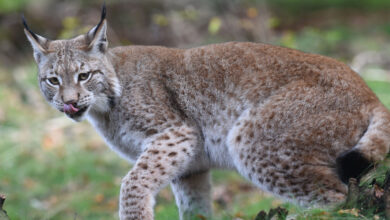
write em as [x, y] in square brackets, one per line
[78, 119]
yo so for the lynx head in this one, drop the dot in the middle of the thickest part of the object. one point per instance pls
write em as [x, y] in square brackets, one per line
[75, 75]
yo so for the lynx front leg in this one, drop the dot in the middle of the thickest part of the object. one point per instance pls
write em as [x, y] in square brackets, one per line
[192, 193]
[165, 156]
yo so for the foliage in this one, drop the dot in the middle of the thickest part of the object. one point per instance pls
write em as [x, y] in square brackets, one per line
[10, 6]
[326, 27]
[297, 6]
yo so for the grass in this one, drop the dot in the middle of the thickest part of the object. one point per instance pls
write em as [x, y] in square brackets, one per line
[52, 168]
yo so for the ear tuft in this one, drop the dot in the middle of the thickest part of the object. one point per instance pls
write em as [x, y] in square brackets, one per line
[97, 36]
[103, 12]
[28, 29]
[38, 43]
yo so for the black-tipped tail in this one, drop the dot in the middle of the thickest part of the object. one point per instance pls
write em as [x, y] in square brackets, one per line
[352, 164]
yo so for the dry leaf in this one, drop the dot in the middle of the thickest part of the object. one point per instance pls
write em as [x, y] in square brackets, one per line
[29, 183]
[378, 191]
[354, 212]
[239, 215]
[323, 213]
[112, 204]
[201, 217]
[252, 12]
[99, 198]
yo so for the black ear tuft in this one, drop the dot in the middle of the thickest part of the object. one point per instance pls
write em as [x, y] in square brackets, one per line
[96, 38]
[352, 164]
[28, 29]
[103, 12]
[103, 16]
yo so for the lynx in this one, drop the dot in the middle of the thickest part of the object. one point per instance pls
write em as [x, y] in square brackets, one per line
[295, 124]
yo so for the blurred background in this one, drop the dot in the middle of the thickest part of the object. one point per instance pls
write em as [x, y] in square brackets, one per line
[53, 168]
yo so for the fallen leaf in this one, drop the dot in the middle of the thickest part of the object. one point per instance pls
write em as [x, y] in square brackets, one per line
[112, 204]
[201, 217]
[239, 215]
[252, 12]
[99, 198]
[354, 212]
[378, 191]
[29, 183]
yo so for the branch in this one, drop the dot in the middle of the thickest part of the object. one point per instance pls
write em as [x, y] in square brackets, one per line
[353, 193]
[3, 214]
[386, 187]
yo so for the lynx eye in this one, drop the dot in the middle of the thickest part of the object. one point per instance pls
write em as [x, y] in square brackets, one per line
[84, 76]
[54, 81]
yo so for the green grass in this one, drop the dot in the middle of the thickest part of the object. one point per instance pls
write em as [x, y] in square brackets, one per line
[52, 168]
[382, 90]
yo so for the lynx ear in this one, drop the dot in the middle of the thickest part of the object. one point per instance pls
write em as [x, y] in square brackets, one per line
[97, 36]
[38, 43]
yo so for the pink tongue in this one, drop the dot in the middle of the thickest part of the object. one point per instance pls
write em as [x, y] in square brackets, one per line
[69, 108]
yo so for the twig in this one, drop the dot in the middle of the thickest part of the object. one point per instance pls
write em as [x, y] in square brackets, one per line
[2, 199]
[3, 214]
[276, 213]
[386, 195]
[353, 193]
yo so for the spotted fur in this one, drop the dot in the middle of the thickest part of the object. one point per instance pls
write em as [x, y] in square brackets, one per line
[280, 117]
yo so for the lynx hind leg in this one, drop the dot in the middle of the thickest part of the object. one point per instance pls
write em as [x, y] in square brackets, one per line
[192, 194]
[281, 170]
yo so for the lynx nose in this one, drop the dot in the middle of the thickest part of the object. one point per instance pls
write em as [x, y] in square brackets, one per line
[70, 97]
